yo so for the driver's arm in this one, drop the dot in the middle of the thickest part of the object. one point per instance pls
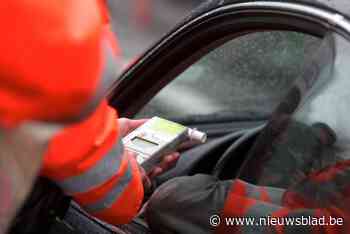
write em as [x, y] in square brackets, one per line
[204, 204]
[88, 162]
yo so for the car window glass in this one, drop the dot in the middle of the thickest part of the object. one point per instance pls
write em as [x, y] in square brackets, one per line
[329, 99]
[305, 147]
[243, 78]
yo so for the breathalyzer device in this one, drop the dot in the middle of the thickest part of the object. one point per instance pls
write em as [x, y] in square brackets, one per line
[157, 137]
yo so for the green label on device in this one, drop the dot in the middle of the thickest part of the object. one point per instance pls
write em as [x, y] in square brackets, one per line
[166, 126]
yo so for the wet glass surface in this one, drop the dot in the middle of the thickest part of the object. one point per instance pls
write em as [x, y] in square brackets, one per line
[245, 77]
[304, 149]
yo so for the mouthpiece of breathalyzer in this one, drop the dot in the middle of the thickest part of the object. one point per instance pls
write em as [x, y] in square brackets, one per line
[197, 136]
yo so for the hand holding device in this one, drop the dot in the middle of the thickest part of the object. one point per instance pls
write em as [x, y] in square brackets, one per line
[158, 137]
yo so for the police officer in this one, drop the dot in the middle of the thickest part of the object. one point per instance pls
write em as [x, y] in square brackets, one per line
[57, 60]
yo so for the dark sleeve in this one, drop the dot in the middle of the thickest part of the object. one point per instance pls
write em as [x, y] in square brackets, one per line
[185, 204]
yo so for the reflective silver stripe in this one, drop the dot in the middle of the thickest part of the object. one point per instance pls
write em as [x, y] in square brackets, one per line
[108, 200]
[254, 192]
[275, 195]
[97, 175]
[257, 211]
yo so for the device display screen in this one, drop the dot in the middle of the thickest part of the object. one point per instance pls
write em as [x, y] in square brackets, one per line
[143, 143]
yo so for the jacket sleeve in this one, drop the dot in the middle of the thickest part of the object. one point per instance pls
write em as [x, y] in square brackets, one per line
[88, 162]
[232, 206]
[258, 209]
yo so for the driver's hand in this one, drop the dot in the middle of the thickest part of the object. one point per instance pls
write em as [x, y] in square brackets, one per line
[169, 161]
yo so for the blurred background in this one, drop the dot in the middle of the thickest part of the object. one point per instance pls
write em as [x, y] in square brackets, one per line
[244, 78]
[140, 23]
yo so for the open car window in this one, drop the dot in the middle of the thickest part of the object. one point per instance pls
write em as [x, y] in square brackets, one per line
[244, 78]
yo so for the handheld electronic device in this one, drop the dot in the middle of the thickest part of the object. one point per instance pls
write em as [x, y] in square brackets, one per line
[157, 137]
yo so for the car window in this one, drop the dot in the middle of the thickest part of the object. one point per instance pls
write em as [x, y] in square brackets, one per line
[305, 147]
[244, 78]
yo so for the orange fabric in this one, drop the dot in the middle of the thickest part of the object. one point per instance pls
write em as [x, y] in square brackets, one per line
[239, 205]
[264, 195]
[238, 188]
[107, 29]
[51, 59]
[128, 203]
[74, 150]
[236, 205]
[79, 147]
[104, 11]
[99, 192]
[280, 213]
[113, 40]
[109, 126]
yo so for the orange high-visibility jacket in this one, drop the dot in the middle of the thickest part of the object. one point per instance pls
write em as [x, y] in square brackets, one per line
[51, 62]
[88, 162]
[56, 62]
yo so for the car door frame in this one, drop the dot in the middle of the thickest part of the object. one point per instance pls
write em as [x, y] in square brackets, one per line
[207, 28]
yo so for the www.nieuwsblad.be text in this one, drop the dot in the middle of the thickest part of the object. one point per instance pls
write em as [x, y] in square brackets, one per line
[216, 220]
